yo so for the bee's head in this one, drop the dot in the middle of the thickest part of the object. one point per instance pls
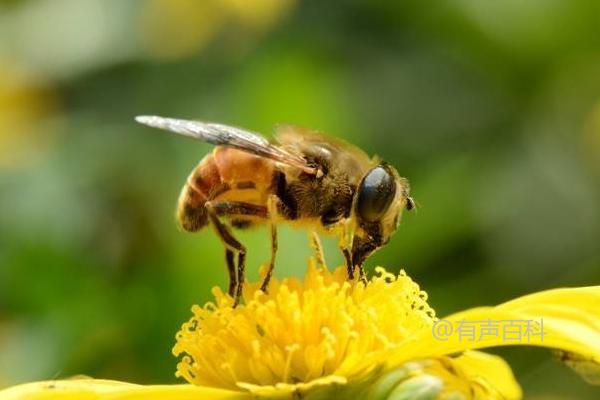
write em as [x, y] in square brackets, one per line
[380, 198]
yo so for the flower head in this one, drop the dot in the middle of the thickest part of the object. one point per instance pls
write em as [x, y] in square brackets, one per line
[302, 332]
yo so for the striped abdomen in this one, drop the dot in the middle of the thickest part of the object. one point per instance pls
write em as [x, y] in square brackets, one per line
[226, 174]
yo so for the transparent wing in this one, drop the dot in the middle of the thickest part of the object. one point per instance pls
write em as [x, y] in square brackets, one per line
[219, 134]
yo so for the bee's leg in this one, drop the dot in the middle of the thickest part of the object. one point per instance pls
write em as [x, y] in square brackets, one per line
[231, 244]
[349, 265]
[361, 273]
[241, 276]
[231, 269]
[272, 208]
[315, 243]
[233, 208]
[346, 244]
[363, 247]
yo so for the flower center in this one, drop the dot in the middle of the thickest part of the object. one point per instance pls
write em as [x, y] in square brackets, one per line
[301, 330]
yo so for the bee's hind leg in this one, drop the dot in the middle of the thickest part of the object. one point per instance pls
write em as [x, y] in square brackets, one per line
[272, 210]
[229, 259]
[231, 243]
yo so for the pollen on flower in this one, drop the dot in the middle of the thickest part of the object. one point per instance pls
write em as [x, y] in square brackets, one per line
[310, 331]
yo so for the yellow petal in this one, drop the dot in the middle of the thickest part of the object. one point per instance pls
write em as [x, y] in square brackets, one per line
[96, 389]
[571, 322]
[287, 390]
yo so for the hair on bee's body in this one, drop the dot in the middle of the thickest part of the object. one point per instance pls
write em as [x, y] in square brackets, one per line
[304, 179]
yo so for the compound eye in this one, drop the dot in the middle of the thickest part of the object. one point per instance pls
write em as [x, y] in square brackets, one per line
[375, 194]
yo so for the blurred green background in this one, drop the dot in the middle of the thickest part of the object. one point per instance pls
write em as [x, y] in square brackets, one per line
[491, 109]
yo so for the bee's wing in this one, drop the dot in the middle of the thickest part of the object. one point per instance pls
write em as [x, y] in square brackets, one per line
[228, 136]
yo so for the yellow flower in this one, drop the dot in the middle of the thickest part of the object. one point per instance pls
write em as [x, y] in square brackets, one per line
[300, 331]
[323, 337]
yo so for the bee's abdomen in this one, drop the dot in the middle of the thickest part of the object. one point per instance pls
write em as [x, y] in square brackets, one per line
[225, 174]
[191, 211]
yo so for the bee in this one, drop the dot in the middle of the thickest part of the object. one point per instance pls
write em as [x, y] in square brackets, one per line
[302, 178]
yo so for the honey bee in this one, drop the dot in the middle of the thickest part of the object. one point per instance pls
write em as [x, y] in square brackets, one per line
[302, 178]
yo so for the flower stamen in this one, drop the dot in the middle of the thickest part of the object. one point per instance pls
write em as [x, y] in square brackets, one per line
[301, 331]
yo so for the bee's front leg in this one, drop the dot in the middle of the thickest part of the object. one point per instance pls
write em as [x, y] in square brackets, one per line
[363, 247]
[346, 243]
[361, 273]
[349, 266]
